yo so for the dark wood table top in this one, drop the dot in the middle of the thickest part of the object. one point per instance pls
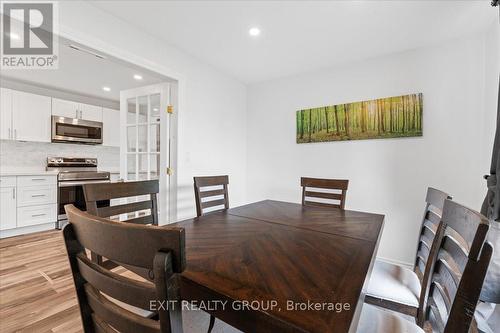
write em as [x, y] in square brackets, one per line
[297, 265]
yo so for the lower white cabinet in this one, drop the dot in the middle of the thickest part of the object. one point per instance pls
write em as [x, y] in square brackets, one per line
[36, 195]
[8, 207]
[27, 204]
[33, 215]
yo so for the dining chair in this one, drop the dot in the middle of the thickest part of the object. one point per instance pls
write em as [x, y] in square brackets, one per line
[211, 192]
[111, 302]
[326, 199]
[463, 256]
[399, 288]
[141, 208]
[216, 196]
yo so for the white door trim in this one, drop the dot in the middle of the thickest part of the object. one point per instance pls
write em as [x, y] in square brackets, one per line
[178, 100]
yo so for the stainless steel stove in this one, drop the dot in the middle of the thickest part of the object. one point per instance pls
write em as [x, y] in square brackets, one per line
[73, 172]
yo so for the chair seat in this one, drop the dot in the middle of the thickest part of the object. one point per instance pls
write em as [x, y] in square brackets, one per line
[394, 283]
[376, 320]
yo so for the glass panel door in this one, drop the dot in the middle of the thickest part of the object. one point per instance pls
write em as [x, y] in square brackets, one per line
[143, 154]
[143, 137]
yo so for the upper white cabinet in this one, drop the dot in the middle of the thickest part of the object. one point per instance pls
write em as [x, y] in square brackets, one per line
[90, 112]
[111, 127]
[30, 117]
[64, 108]
[27, 117]
[5, 114]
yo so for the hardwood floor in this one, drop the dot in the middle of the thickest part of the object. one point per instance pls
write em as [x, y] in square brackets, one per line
[36, 287]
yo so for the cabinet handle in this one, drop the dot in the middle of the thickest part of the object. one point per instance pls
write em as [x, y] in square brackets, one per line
[81, 114]
[37, 195]
[10, 134]
[37, 179]
[13, 193]
[15, 134]
[76, 114]
[36, 215]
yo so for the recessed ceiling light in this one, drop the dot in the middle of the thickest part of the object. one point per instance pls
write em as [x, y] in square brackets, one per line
[106, 88]
[14, 36]
[155, 109]
[137, 77]
[254, 31]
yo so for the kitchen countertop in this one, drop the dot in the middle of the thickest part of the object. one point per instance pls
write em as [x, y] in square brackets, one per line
[41, 172]
[26, 172]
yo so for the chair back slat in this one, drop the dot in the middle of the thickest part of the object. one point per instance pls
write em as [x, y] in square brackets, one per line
[430, 224]
[458, 273]
[124, 208]
[144, 220]
[210, 198]
[133, 292]
[432, 217]
[122, 320]
[100, 326]
[110, 302]
[326, 199]
[121, 190]
[467, 225]
[213, 193]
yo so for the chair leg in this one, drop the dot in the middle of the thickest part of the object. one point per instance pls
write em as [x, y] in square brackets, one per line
[212, 323]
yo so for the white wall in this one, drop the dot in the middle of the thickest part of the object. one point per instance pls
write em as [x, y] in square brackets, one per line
[212, 120]
[388, 176]
[492, 70]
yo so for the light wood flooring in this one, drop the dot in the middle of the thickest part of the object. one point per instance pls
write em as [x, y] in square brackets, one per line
[36, 287]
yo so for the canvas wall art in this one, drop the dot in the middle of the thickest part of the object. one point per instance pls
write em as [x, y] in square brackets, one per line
[391, 117]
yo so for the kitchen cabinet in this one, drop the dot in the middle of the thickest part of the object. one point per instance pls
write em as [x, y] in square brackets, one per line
[90, 112]
[8, 212]
[70, 109]
[5, 114]
[31, 116]
[35, 215]
[28, 204]
[111, 127]
[36, 195]
[64, 108]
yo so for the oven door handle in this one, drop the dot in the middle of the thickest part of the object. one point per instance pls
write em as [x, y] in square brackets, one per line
[78, 183]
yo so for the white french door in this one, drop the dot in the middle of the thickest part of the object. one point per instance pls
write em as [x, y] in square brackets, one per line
[144, 138]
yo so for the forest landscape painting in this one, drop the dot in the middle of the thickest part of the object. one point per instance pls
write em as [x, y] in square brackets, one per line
[391, 117]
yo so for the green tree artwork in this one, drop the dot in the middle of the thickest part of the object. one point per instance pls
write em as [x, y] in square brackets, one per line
[391, 117]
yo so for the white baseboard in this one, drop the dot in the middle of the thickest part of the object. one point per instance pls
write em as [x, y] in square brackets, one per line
[27, 230]
[397, 262]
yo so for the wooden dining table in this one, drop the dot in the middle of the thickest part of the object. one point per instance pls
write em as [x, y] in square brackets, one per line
[275, 266]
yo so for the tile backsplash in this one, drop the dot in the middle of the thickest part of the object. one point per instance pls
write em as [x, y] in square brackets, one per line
[19, 154]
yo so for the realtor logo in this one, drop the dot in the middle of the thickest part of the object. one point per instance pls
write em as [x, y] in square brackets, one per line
[28, 35]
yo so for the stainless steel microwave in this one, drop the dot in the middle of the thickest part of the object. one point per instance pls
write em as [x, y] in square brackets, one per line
[74, 130]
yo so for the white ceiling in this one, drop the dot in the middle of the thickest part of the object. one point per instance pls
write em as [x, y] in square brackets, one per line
[299, 36]
[85, 74]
